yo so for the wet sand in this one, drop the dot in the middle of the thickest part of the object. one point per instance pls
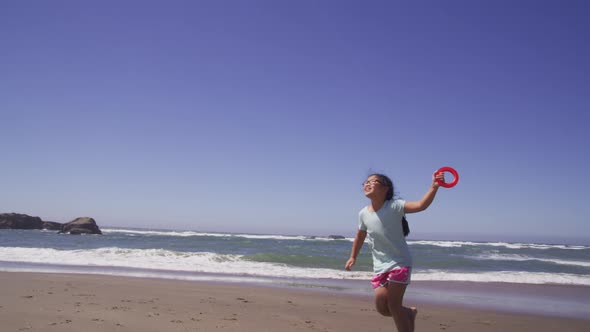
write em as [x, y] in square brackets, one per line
[70, 302]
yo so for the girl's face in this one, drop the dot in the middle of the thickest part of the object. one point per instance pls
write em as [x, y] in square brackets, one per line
[374, 187]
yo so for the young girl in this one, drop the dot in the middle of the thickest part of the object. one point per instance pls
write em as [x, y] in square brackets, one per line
[392, 262]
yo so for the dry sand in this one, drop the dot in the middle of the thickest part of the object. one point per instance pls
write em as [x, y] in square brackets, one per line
[86, 303]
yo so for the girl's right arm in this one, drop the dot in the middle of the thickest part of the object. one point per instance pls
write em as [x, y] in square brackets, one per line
[359, 240]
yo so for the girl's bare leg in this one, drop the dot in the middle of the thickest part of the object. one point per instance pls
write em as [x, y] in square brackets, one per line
[383, 307]
[395, 297]
[412, 312]
[381, 301]
[388, 302]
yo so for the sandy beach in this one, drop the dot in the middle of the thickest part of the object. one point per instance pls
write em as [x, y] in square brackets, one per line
[70, 302]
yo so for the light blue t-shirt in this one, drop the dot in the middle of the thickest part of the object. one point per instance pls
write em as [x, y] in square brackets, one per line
[385, 230]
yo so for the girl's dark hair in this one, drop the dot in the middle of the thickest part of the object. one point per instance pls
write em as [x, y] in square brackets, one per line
[405, 226]
[386, 181]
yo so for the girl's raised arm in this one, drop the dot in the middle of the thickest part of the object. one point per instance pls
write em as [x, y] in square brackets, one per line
[424, 203]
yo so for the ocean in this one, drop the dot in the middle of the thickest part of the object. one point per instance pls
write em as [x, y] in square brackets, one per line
[275, 258]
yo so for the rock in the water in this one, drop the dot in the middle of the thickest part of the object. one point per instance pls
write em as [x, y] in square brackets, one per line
[19, 221]
[84, 225]
[336, 237]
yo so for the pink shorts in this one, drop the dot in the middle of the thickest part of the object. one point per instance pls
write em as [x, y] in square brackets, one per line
[400, 275]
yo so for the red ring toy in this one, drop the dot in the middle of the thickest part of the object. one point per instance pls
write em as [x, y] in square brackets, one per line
[450, 170]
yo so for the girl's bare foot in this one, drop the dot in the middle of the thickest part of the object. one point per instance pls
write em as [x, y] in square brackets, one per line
[413, 312]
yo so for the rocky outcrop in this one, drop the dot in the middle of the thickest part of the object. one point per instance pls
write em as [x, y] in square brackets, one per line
[336, 237]
[19, 221]
[52, 225]
[84, 225]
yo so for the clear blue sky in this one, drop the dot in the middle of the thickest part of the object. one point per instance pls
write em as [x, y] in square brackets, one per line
[266, 116]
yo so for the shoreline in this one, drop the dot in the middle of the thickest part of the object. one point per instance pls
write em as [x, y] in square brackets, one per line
[567, 301]
[74, 302]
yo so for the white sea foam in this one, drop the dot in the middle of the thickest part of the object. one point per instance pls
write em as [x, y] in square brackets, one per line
[131, 232]
[523, 258]
[445, 244]
[458, 244]
[207, 262]
[169, 260]
[437, 243]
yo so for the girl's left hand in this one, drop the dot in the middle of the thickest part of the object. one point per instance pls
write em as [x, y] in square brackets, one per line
[436, 177]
